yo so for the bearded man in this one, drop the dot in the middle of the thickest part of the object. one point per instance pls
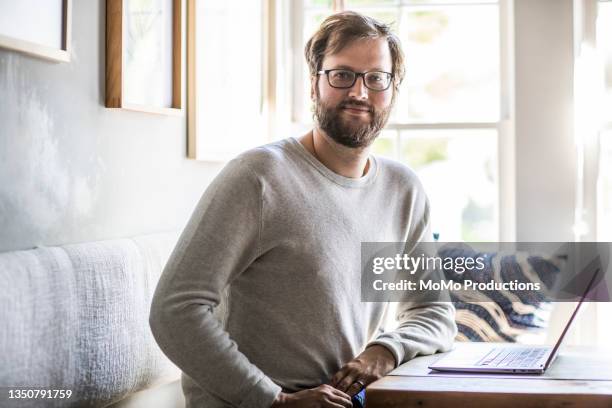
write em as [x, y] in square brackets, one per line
[279, 231]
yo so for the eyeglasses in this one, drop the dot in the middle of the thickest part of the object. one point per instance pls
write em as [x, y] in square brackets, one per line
[345, 78]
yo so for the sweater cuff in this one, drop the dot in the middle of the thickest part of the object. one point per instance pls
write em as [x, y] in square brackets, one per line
[393, 346]
[262, 394]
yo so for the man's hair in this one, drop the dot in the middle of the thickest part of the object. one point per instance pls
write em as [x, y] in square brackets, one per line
[340, 29]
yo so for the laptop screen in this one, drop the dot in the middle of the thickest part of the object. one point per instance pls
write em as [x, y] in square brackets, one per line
[560, 317]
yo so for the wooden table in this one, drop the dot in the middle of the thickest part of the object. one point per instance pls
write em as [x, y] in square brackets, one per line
[580, 377]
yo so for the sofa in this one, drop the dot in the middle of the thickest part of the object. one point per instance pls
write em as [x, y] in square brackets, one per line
[75, 317]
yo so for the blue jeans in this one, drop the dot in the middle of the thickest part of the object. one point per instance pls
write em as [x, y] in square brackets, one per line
[359, 399]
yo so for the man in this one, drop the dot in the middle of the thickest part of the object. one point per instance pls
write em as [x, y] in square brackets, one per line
[281, 229]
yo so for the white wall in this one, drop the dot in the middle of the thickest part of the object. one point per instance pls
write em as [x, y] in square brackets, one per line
[545, 153]
[72, 170]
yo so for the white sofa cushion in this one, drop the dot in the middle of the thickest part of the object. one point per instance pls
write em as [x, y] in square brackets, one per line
[76, 317]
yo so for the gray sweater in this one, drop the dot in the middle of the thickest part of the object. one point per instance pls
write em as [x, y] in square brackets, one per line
[280, 234]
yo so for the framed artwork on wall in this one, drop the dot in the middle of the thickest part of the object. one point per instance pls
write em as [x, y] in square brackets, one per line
[143, 55]
[37, 27]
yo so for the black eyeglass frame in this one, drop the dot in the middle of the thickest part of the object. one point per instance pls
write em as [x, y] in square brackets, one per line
[357, 75]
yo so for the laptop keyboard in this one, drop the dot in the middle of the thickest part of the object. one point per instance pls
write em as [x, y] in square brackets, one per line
[512, 357]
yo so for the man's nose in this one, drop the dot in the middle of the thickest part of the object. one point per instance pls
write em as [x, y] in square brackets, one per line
[359, 90]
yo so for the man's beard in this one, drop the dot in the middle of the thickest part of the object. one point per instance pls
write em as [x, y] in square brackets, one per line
[351, 133]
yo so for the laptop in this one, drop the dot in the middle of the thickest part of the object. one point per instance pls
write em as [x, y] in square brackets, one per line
[509, 358]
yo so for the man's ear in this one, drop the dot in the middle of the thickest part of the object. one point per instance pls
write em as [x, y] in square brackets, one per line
[313, 87]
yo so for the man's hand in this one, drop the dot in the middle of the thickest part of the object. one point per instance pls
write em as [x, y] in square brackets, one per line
[375, 362]
[322, 396]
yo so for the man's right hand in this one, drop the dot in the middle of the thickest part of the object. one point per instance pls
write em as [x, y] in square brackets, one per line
[322, 396]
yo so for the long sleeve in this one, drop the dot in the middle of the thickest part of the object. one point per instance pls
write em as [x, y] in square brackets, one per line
[423, 329]
[219, 243]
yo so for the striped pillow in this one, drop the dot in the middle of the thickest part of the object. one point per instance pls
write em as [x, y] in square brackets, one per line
[497, 315]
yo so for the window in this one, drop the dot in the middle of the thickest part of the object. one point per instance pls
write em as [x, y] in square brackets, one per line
[604, 45]
[594, 327]
[225, 87]
[445, 124]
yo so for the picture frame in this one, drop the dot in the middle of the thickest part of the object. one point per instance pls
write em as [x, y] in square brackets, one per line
[40, 28]
[144, 55]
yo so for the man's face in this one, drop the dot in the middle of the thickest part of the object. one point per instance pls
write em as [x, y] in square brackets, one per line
[354, 116]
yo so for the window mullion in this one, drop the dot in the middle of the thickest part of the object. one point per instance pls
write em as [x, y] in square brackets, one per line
[443, 126]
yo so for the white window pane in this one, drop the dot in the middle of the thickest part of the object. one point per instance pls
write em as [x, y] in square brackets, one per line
[452, 64]
[459, 171]
[318, 4]
[604, 43]
[228, 78]
[386, 144]
[455, 2]
[387, 15]
[355, 4]
[374, 3]
[604, 217]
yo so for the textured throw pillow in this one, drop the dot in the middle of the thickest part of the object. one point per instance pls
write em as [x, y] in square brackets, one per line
[498, 315]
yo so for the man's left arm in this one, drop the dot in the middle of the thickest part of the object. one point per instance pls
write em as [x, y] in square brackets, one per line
[424, 329]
